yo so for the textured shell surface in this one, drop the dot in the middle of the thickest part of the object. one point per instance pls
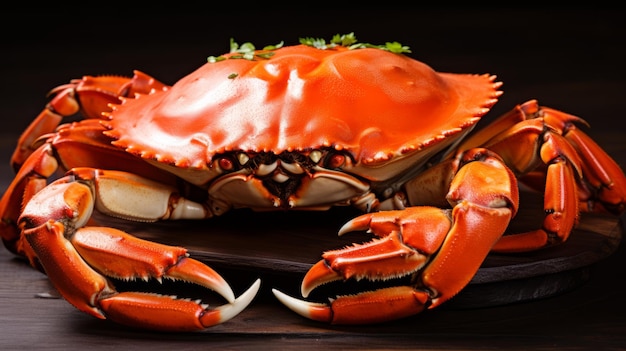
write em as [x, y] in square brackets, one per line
[373, 103]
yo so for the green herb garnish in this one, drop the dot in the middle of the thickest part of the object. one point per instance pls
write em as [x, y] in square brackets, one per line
[338, 40]
[349, 41]
[247, 50]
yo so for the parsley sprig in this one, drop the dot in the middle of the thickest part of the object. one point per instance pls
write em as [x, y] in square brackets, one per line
[350, 41]
[247, 51]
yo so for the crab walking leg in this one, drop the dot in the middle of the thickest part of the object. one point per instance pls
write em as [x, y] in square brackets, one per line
[560, 199]
[578, 175]
[29, 180]
[440, 249]
[78, 259]
[603, 185]
[89, 95]
[45, 123]
[602, 173]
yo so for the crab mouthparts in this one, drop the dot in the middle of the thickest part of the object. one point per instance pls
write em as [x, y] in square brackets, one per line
[310, 179]
[281, 179]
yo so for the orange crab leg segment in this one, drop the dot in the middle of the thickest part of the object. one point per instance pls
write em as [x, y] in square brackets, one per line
[89, 95]
[157, 312]
[602, 172]
[365, 308]
[560, 198]
[78, 259]
[45, 123]
[574, 173]
[440, 249]
[392, 255]
[73, 144]
[30, 179]
[43, 226]
[120, 255]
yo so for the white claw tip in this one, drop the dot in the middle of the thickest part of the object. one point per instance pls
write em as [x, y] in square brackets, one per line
[232, 309]
[300, 307]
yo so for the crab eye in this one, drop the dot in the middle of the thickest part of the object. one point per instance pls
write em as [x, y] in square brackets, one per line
[230, 162]
[226, 164]
[335, 160]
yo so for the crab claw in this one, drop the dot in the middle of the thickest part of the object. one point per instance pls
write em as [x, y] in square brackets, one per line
[79, 260]
[428, 245]
[165, 313]
[364, 308]
[120, 255]
[391, 255]
[380, 259]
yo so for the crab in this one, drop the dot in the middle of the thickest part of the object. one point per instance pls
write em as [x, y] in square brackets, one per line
[308, 126]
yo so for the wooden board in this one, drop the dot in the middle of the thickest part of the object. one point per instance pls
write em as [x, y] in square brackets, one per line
[279, 248]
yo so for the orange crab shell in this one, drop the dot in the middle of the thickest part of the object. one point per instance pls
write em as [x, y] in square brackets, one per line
[373, 103]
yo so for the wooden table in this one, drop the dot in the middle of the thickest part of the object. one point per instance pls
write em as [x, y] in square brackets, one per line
[571, 60]
[589, 313]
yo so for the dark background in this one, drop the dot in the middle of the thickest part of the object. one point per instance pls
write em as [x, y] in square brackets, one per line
[570, 59]
[527, 48]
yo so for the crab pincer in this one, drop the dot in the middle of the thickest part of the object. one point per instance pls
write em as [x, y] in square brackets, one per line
[435, 251]
[391, 255]
[83, 262]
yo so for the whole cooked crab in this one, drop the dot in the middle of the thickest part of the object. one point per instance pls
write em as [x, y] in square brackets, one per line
[309, 126]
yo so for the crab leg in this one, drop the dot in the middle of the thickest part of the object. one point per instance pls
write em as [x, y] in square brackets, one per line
[525, 124]
[440, 249]
[574, 173]
[560, 199]
[89, 95]
[74, 144]
[30, 179]
[602, 173]
[78, 259]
